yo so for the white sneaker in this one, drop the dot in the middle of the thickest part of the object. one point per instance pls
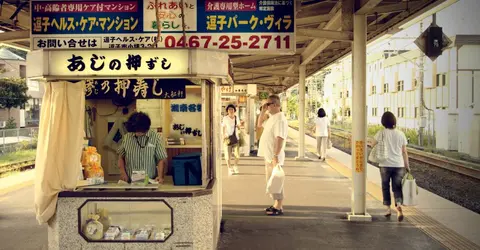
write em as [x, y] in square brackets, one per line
[231, 171]
[235, 169]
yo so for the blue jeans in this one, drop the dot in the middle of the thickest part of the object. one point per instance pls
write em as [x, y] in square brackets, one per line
[396, 175]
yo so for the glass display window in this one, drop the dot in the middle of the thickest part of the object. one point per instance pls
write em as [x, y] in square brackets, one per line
[125, 220]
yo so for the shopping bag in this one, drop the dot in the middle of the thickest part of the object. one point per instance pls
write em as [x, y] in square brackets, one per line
[379, 152]
[329, 144]
[275, 183]
[373, 155]
[409, 190]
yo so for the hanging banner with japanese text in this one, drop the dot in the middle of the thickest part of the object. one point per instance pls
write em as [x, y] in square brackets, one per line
[136, 88]
[233, 25]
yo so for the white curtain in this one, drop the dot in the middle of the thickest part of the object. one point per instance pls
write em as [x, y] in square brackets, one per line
[60, 141]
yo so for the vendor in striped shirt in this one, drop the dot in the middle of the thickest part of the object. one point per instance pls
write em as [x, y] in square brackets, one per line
[141, 149]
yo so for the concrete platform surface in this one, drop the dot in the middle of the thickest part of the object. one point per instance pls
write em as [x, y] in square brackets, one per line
[454, 225]
[316, 206]
[18, 227]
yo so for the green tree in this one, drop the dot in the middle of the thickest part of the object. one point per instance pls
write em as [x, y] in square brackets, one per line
[13, 93]
[292, 105]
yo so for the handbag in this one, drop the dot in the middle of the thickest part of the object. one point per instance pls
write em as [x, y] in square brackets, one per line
[329, 144]
[275, 183]
[409, 190]
[380, 151]
[232, 139]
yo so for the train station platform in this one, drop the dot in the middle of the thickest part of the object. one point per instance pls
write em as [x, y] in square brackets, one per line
[318, 197]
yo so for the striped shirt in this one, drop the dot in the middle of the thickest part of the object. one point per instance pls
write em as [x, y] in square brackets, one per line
[142, 153]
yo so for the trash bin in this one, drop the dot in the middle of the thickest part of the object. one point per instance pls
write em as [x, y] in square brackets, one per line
[187, 169]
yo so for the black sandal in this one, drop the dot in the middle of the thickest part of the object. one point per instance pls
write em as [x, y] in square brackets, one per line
[275, 212]
[269, 209]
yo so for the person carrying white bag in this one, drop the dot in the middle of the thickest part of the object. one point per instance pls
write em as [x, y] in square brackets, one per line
[272, 148]
[390, 152]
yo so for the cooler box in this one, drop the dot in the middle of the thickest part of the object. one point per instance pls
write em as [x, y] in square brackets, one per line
[187, 169]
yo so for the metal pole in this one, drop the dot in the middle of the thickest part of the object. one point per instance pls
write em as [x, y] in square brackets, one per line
[251, 123]
[301, 112]
[359, 121]
[421, 106]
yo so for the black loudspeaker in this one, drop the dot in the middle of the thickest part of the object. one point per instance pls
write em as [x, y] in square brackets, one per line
[434, 43]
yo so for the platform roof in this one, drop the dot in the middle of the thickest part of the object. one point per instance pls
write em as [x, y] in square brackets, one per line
[323, 35]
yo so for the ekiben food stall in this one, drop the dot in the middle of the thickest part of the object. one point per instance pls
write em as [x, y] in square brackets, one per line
[89, 95]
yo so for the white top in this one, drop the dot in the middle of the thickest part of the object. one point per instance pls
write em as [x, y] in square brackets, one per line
[229, 123]
[394, 139]
[322, 125]
[275, 126]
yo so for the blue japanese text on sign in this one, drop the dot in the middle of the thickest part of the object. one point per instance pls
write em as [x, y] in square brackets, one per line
[234, 25]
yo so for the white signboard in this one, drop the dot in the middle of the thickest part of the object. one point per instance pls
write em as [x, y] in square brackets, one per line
[118, 63]
[235, 89]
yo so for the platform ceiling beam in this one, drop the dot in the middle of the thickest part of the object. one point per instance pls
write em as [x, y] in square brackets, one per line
[365, 6]
[14, 36]
[310, 20]
[396, 7]
[9, 10]
[327, 34]
[319, 44]
[265, 72]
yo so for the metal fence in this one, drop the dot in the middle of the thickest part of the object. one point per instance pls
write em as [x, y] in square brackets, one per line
[17, 139]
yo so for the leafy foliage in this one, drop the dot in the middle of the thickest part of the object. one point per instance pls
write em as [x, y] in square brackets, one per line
[292, 106]
[11, 124]
[13, 93]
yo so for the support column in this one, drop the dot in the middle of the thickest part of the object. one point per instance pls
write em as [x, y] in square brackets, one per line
[301, 113]
[251, 122]
[359, 119]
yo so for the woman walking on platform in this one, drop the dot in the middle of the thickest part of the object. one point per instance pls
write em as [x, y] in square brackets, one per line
[231, 127]
[322, 132]
[394, 166]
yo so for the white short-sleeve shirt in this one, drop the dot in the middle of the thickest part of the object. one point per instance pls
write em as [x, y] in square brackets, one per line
[321, 126]
[229, 123]
[395, 140]
[275, 126]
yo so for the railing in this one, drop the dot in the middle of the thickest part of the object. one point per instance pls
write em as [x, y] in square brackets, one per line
[16, 139]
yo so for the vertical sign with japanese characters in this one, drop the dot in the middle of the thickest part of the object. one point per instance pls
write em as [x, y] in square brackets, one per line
[233, 25]
[359, 157]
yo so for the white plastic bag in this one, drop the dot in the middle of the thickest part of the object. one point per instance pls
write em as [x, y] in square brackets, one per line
[409, 190]
[275, 183]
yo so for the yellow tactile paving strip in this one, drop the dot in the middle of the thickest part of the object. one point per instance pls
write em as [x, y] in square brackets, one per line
[447, 237]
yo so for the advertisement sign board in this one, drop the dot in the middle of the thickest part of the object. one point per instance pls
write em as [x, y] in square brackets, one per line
[231, 25]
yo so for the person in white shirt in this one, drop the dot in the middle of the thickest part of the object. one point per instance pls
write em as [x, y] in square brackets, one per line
[393, 168]
[322, 132]
[272, 145]
[231, 126]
